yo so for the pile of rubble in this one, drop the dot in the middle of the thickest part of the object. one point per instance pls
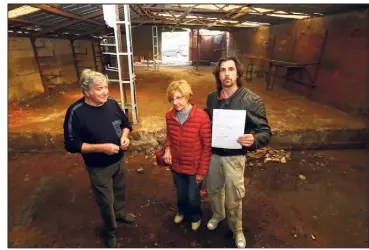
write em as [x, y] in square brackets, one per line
[267, 154]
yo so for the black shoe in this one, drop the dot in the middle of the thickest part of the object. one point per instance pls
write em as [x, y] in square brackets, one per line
[126, 219]
[111, 241]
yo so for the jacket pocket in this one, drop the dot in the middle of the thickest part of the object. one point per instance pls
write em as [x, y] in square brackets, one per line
[235, 194]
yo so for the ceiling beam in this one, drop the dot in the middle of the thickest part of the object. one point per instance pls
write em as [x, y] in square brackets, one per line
[53, 29]
[69, 23]
[187, 22]
[241, 13]
[67, 37]
[263, 19]
[195, 10]
[23, 21]
[183, 16]
[145, 11]
[219, 8]
[136, 10]
[92, 31]
[231, 12]
[64, 13]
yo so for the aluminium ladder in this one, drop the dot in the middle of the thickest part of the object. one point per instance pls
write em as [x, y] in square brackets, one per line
[155, 46]
[129, 55]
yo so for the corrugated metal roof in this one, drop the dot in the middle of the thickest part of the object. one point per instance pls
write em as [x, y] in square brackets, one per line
[45, 17]
[79, 9]
[82, 26]
[67, 17]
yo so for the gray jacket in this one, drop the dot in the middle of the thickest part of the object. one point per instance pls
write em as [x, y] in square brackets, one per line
[243, 99]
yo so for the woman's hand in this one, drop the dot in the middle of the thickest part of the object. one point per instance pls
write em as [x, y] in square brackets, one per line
[199, 178]
[167, 156]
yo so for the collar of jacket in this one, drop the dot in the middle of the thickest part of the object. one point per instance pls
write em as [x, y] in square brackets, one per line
[230, 97]
[174, 112]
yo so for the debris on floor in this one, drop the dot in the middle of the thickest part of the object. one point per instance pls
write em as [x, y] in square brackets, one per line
[265, 155]
[302, 177]
[140, 170]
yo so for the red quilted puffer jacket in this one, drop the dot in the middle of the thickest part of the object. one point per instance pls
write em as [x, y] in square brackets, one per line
[190, 144]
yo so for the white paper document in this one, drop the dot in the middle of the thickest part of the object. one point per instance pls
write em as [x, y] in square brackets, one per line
[228, 125]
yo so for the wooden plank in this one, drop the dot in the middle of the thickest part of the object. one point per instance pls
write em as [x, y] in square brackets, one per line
[19, 20]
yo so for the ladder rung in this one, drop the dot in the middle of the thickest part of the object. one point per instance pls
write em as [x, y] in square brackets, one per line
[120, 53]
[115, 80]
[114, 70]
[108, 44]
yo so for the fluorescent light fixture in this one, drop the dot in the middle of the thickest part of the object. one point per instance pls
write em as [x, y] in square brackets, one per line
[254, 24]
[280, 12]
[21, 11]
[289, 16]
[227, 21]
[206, 6]
[231, 7]
[318, 14]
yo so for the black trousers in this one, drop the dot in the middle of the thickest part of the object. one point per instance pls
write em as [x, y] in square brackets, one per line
[108, 185]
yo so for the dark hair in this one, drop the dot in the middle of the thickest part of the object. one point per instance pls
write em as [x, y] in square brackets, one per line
[239, 67]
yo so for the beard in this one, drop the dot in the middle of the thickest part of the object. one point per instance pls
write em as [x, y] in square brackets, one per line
[228, 83]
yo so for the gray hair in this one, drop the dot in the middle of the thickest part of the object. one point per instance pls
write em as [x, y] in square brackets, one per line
[89, 77]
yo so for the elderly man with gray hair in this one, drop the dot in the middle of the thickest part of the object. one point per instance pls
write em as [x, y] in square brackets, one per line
[96, 127]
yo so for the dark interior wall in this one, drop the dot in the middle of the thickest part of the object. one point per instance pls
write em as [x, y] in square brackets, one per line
[55, 65]
[343, 78]
[250, 41]
[24, 80]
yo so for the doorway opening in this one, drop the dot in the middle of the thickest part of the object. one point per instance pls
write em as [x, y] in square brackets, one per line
[175, 46]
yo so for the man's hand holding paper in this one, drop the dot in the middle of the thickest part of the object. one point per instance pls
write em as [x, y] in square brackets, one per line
[246, 140]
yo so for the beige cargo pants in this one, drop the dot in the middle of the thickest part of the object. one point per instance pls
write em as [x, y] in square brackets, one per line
[226, 188]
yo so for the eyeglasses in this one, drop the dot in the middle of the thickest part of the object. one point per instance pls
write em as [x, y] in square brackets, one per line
[178, 98]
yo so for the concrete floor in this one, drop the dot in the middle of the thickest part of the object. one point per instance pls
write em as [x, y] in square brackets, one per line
[296, 121]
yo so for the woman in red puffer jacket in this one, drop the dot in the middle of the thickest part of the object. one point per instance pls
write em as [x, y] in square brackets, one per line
[187, 150]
